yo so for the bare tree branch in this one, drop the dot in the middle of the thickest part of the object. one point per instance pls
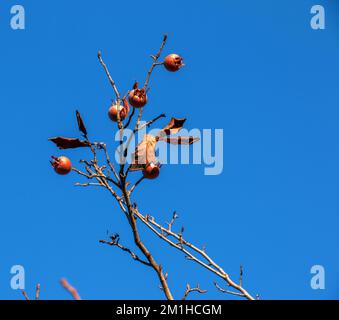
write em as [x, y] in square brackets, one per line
[181, 245]
[241, 275]
[147, 124]
[135, 185]
[109, 77]
[25, 295]
[112, 82]
[155, 61]
[108, 160]
[136, 128]
[115, 242]
[88, 184]
[228, 291]
[189, 290]
[130, 118]
[118, 188]
[37, 292]
[170, 224]
[157, 268]
[73, 292]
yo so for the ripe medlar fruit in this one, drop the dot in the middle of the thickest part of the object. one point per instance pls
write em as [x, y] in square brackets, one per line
[137, 97]
[62, 165]
[151, 171]
[173, 62]
[113, 111]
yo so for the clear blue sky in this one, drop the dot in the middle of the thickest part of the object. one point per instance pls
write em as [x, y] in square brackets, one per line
[254, 68]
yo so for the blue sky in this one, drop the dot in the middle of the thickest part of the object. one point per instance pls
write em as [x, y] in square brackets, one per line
[256, 69]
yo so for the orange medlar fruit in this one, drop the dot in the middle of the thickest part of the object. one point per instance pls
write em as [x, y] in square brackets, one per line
[62, 165]
[113, 111]
[151, 171]
[173, 62]
[137, 97]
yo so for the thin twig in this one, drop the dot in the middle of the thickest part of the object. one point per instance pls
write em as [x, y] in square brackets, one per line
[37, 292]
[120, 125]
[125, 96]
[115, 242]
[170, 224]
[25, 295]
[94, 175]
[135, 185]
[109, 77]
[162, 233]
[189, 290]
[78, 184]
[241, 275]
[74, 293]
[108, 160]
[102, 180]
[228, 291]
[147, 124]
[136, 128]
[155, 61]
[129, 118]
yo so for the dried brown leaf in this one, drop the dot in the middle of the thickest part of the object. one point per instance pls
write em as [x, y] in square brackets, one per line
[69, 143]
[144, 153]
[180, 140]
[173, 127]
[81, 124]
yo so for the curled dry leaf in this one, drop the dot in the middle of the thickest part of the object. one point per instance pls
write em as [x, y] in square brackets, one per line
[144, 153]
[81, 124]
[173, 127]
[69, 143]
[180, 140]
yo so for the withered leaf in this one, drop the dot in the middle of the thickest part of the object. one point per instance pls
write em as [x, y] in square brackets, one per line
[144, 153]
[81, 124]
[180, 140]
[173, 127]
[69, 143]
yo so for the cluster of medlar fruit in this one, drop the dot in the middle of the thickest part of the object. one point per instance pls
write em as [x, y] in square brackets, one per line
[137, 98]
